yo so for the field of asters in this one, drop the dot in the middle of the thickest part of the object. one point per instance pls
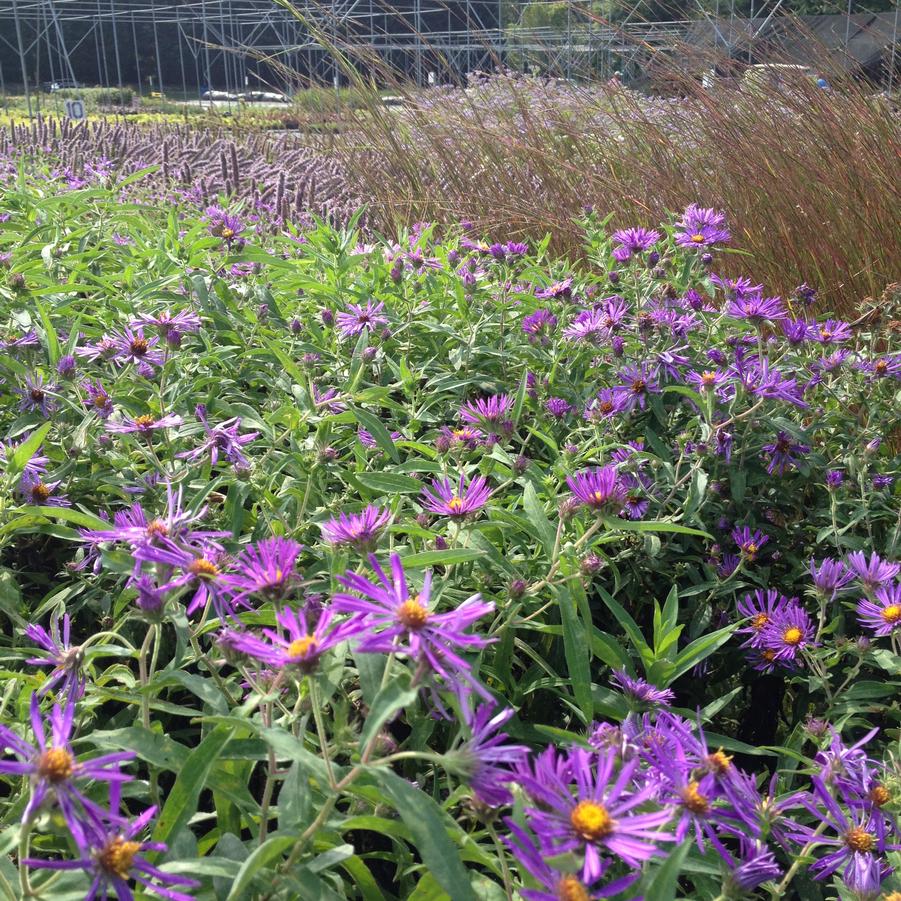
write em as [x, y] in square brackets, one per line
[437, 567]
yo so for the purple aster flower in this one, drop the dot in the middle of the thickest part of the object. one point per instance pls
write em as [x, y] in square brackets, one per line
[267, 568]
[198, 571]
[357, 530]
[65, 658]
[121, 240]
[789, 632]
[172, 326]
[561, 289]
[599, 489]
[728, 565]
[881, 482]
[539, 326]
[52, 766]
[606, 405]
[557, 407]
[845, 766]
[327, 400]
[491, 413]
[589, 326]
[615, 312]
[795, 331]
[636, 240]
[636, 505]
[457, 502]
[642, 692]
[882, 367]
[834, 479]
[111, 856]
[464, 437]
[760, 610]
[36, 396]
[761, 379]
[134, 347]
[708, 380]
[223, 224]
[748, 542]
[296, 644]
[516, 248]
[756, 308]
[223, 438]
[98, 401]
[784, 452]
[882, 615]
[66, 366]
[754, 865]
[832, 362]
[15, 341]
[701, 227]
[36, 491]
[872, 573]
[832, 331]
[637, 383]
[486, 757]
[585, 804]
[831, 577]
[369, 442]
[144, 425]
[400, 622]
[555, 884]
[353, 320]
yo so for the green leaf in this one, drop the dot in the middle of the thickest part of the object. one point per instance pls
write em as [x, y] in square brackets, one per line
[26, 450]
[389, 483]
[181, 803]
[652, 525]
[662, 883]
[267, 853]
[539, 519]
[700, 649]
[629, 626]
[429, 824]
[68, 514]
[575, 649]
[445, 558]
[372, 424]
[393, 697]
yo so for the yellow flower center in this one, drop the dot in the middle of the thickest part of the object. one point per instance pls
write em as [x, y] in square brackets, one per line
[598, 498]
[768, 654]
[139, 346]
[412, 614]
[56, 765]
[591, 821]
[157, 528]
[228, 233]
[100, 400]
[881, 366]
[693, 800]
[144, 422]
[708, 379]
[879, 795]
[455, 504]
[639, 386]
[792, 636]
[858, 839]
[570, 889]
[118, 856]
[300, 647]
[891, 614]
[892, 896]
[759, 621]
[203, 568]
[697, 238]
[751, 549]
[719, 761]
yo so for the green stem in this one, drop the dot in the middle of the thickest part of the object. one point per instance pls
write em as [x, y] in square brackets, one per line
[320, 731]
[779, 891]
[24, 846]
[502, 856]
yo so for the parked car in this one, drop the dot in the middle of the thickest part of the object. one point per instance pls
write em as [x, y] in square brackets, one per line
[264, 97]
[219, 95]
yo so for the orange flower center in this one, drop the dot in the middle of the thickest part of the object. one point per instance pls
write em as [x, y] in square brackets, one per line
[639, 386]
[768, 654]
[697, 239]
[759, 621]
[858, 839]
[792, 636]
[751, 549]
[203, 568]
[118, 856]
[693, 800]
[570, 889]
[139, 346]
[56, 765]
[144, 422]
[891, 614]
[455, 504]
[100, 400]
[879, 795]
[591, 820]
[881, 366]
[412, 614]
[39, 492]
[719, 761]
[300, 647]
[708, 379]
[228, 233]
[157, 528]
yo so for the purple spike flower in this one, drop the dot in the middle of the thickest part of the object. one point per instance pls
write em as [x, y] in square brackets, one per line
[65, 658]
[360, 531]
[400, 622]
[457, 501]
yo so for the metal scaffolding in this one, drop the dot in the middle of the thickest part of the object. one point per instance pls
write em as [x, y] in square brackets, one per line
[231, 45]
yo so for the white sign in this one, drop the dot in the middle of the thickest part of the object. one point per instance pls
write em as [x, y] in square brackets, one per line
[75, 110]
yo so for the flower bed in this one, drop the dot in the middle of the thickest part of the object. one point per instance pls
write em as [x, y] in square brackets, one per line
[438, 568]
